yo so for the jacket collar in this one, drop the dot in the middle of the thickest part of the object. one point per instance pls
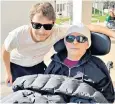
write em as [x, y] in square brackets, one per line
[59, 57]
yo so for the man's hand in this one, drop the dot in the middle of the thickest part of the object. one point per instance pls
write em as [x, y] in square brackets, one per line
[6, 60]
[9, 79]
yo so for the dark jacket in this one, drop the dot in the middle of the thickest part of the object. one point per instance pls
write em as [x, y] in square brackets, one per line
[42, 88]
[89, 69]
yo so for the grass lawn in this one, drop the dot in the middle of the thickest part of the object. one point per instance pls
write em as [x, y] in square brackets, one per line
[96, 17]
[61, 20]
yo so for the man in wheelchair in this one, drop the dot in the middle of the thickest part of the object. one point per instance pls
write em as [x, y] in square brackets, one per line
[76, 61]
[74, 75]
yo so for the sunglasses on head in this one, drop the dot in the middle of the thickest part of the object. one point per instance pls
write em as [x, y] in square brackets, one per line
[80, 38]
[39, 25]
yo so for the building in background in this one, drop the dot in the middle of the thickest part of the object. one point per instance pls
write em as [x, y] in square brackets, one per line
[63, 8]
[102, 6]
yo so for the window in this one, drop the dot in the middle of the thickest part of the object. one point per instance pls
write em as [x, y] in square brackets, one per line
[63, 7]
[57, 7]
[60, 7]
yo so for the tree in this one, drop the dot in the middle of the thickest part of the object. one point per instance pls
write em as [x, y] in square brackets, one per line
[108, 4]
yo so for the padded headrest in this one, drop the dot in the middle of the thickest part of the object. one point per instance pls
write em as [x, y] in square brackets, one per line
[101, 44]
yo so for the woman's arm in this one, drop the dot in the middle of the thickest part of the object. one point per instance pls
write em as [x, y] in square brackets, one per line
[101, 29]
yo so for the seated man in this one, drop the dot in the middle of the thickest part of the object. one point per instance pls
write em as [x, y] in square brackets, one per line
[76, 61]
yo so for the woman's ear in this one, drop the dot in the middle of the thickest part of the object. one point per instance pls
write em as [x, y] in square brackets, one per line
[64, 41]
[54, 22]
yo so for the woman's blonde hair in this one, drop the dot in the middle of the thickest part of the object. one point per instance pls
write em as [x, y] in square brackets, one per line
[45, 8]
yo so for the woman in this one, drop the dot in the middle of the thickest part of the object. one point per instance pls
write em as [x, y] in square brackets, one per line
[78, 62]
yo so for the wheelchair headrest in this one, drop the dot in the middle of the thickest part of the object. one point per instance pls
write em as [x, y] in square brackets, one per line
[101, 44]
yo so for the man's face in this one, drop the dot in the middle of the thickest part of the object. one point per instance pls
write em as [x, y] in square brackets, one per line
[42, 27]
[75, 47]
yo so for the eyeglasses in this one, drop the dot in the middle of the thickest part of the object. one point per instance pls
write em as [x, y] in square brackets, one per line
[39, 25]
[80, 38]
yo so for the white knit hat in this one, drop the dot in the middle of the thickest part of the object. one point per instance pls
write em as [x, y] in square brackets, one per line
[82, 29]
